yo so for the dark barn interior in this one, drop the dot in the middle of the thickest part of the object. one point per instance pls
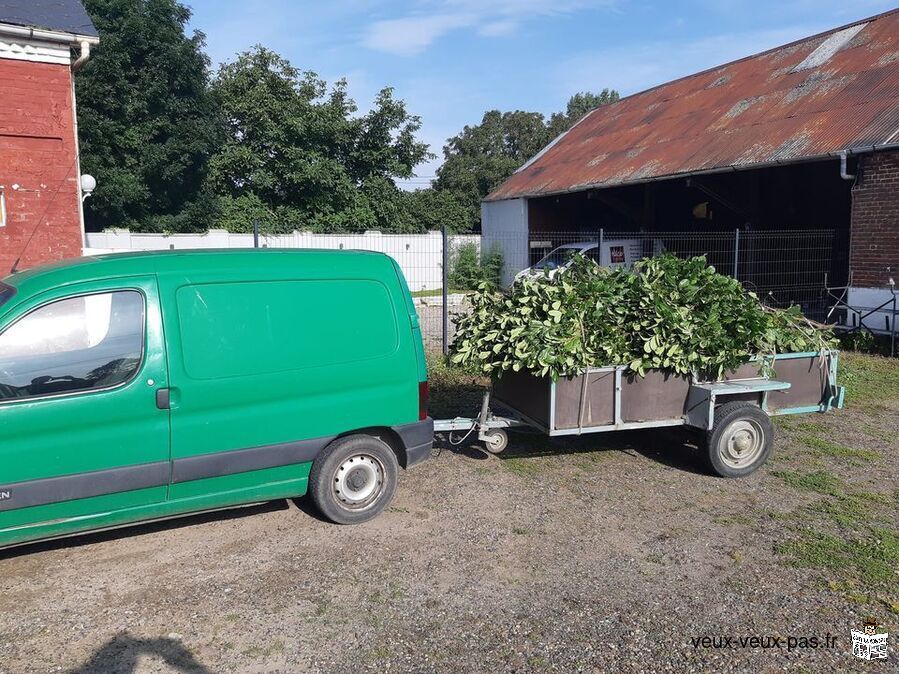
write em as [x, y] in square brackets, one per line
[794, 223]
[808, 195]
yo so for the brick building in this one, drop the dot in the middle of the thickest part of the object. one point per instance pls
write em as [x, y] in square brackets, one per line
[42, 44]
[802, 138]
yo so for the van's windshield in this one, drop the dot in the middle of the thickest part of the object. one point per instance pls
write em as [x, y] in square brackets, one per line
[6, 292]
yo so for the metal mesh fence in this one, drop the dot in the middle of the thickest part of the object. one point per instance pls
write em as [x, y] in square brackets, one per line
[782, 267]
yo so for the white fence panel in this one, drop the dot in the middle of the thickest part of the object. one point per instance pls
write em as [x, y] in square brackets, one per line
[420, 256]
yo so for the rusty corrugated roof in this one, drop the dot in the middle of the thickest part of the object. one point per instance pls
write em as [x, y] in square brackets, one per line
[828, 93]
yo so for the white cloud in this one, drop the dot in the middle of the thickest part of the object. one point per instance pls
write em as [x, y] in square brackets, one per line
[498, 28]
[413, 33]
[638, 66]
[409, 35]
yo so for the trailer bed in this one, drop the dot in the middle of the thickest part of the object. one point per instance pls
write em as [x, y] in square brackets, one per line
[608, 398]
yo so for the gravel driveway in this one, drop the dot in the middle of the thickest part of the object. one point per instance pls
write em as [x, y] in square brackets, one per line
[607, 553]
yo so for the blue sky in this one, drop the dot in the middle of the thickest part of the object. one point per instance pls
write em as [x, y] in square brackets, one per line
[451, 60]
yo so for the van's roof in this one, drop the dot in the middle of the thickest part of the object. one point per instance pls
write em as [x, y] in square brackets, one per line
[111, 265]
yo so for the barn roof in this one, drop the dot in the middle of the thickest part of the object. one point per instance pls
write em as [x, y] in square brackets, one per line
[65, 16]
[833, 92]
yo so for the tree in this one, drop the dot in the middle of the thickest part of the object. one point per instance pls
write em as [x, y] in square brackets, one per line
[578, 106]
[295, 150]
[484, 155]
[481, 157]
[147, 124]
[429, 210]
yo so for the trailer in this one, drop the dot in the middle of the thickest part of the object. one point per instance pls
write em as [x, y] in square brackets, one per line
[732, 415]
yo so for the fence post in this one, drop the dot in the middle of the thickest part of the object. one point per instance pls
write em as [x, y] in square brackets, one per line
[736, 252]
[255, 234]
[445, 272]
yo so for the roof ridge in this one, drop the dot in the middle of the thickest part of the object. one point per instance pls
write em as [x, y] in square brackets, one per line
[852, 90]
[747, 58]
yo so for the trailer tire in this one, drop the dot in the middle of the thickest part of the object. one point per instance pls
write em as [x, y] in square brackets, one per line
[496, 441]
[740, 441]
[353, 479]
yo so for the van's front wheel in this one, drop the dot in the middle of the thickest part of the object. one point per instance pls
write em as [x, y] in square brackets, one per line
[353, 479]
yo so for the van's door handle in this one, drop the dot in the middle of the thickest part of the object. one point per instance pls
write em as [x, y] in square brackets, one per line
[163, 399]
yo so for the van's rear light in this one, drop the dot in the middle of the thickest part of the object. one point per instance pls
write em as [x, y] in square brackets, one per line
[422, 400]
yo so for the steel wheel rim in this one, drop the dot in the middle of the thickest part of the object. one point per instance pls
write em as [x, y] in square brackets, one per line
[741, 443]
[358, 482]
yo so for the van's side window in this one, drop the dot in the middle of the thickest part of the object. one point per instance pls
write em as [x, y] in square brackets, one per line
[74, 344]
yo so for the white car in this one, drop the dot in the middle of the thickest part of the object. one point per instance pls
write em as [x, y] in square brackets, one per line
[615, 253]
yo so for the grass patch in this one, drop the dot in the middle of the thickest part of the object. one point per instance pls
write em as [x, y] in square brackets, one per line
[793, 422]
[437, 292]
[851, 536]
[869, 380]
[845, 512]
[381, 653]
[822, 447]
[274, 648]
[742, 520]
[872, 558]
[528, 468]
[852, 510]
[820, 482]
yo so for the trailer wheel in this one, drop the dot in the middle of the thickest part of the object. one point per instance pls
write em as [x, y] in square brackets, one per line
[353, 479]
[496, 441]
[741, 440]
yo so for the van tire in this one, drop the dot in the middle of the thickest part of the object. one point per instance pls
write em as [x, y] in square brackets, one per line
[353, 479]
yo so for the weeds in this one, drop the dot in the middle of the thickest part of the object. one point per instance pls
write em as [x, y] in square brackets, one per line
[870, 381]
[822, 447]
[821, 482]
[873, 558]
[522, 467]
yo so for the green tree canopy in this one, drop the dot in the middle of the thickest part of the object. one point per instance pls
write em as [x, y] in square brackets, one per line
[482, 156]
[147, 124]
[430, 210]
[297, 156]
[578, 106]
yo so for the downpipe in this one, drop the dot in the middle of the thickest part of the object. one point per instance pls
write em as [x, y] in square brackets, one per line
[844, 165]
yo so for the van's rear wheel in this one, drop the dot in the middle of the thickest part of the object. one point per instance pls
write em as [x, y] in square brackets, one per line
[353, 479]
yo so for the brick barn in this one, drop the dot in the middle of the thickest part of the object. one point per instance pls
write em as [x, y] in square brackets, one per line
[42, 44]
[802, 138]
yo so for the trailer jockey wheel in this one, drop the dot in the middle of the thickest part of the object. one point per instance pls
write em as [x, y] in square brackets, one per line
[741, 440]
[496, 440]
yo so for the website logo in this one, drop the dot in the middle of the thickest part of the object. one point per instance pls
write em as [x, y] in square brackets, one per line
[869, 644]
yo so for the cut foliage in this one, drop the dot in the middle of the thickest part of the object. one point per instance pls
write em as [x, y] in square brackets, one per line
[667, 313]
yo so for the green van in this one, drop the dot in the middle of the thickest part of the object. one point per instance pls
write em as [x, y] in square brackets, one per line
[148, 385]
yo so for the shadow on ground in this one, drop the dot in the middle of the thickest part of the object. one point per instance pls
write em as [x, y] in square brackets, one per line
[120, 655]
[455, 393]
[672, 447]
[131, 530]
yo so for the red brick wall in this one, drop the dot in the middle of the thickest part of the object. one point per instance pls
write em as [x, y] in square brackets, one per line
[874, 250]
[37, 152]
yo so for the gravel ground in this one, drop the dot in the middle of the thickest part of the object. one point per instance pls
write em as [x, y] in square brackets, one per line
[607, 553]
